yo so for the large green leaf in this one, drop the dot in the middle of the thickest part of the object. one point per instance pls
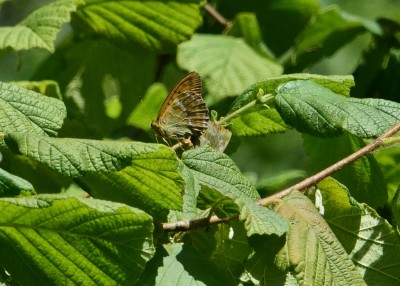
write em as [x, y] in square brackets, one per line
[228, 65]
[263, 120]
[363, 178]
[75, 157]
[314, 109]
[26, 111]
[39, 29]
[142, 175]
[328, 31]
[338, 84]
[49, 240]
[371, 242]
[157, 25]
[312, 251]
[217, 171]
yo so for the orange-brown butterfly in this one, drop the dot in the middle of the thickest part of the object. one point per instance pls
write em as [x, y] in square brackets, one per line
[184, 112]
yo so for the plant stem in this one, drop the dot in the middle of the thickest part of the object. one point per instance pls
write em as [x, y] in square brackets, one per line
[230, 116]
[217, 16]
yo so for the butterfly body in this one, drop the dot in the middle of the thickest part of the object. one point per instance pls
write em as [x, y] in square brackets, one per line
[184, 112]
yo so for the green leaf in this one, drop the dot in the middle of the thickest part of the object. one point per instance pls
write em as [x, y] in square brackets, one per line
[26, 111]
[217, 171]
[363, 178]
[46, 87]
[395, 206]
[225, 247]
[228, 65]
[311, 249]
[261, 220]
[260, 265]
[75, 157]
[11, 185]
[245, 25]
[182, 265]
[338, 84]
[280, 20]
[192, 189]
[221, 205]
[157, 25]
[328, 31]
[370, 240]
[148, 109]
[142, 175]
[57, 240]
[263, 122]
[314, 109]
[39, 29]
[99, 72]
[151, 183]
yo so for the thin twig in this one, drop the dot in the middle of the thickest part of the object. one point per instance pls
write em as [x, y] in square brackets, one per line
[309, 182]
[186, 225]
[217, 16]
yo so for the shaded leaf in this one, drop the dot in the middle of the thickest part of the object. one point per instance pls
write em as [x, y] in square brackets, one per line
[245, 25]
[46, 87]
[157, 25]
[221, 205]
[225, 247]
[314, 109]
[25, 111]
[189, 268]
[370, 240]
[234, 65]
[312, 250]
[58, 240]
[11, 185]
[329, 31]
[363, 178]
[39, 29]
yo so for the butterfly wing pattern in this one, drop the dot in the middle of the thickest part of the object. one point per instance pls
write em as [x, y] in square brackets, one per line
[184, 112]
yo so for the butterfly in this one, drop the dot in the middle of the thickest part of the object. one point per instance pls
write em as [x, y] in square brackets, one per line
[184, 113]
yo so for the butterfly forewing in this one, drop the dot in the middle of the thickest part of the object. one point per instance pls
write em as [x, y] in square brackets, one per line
[184, 112]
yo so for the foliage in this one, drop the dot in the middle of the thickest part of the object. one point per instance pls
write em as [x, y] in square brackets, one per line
[88, 197]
